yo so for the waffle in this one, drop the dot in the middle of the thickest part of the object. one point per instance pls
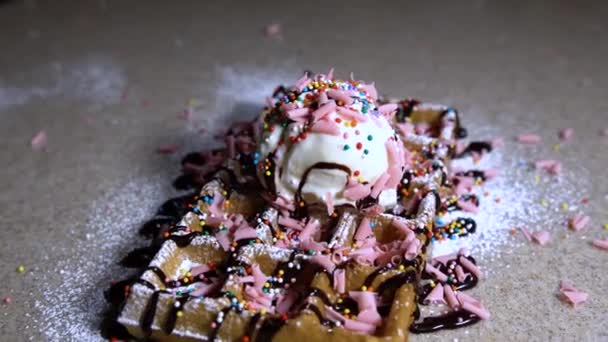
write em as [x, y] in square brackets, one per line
[237, 267]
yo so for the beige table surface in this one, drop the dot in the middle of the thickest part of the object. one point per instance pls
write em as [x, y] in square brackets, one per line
[106, 79]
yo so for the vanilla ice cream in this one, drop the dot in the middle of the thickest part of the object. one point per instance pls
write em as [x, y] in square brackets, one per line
[324, 137]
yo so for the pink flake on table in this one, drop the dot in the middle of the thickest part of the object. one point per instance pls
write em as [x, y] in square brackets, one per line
[566, 134]
[570, 294]
[167, 148]
[498, 142]
[552, 167]
[273, 30]
[541, 237]
[40, 140]
[529, 139]
[601, 244]
[578, 222]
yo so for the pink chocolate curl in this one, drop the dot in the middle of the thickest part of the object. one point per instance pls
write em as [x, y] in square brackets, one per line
[39, 141]
[541, 237]
[291, 223]
[470, 266]
[364, 230]
[578, 222]
[324, 261]
[259, 278]
[552, 167]
[324, 110]
[473, 306]
[566, 134]
[309, 229]
[245, 232]
[167, 148]
[412, 249]
[340, 95]
[379, 185]
[388, 109]
[330, 203]
[302, 82]
[322, 99]
[325, 127]
[340, 280]
[601, 244]
[442, 277]
[467, 206]
[370, 89]
[351, 114]
[450, 296]
[286, 302]
[570, 294]
[526, 233]
[529, 139]
[436, 296]
[357, 191]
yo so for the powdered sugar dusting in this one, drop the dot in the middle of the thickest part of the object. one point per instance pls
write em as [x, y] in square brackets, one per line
[519, 196]
[97, 80]
[74, 311]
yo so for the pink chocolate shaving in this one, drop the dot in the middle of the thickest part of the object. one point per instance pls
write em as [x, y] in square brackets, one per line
[570, 294]
[302, 82]
[364, 230]
[442, 277]
[203, 289]
[529, 139]
[167, 148]
[460, 273]
[450, 296]
[526, 233]
[351, 114]
[578, 222]
[601, 244]
[324, 110]
[310, 244]
[325, 127]
[407, 228]
[412, 249]
[566, 134]
[273, 30]
[340, 95]
[324, 261]
[291, 223]
[470, 266]
[330, 203]
[245, 233]
[405, 128]
[298, 113]
[39, 141]
[379, 185]
[436, 296]
[285, 302]
[322, 99]
[370, 89]
[467, 206]
[309, 229]
[222, 239]
[553, 167]
[340, 280]
[357, 191]
[388, 109]
[259, 278]
[472, 306]
[541, 237]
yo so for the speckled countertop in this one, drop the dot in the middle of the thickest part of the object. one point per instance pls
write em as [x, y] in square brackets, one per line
[106, 79]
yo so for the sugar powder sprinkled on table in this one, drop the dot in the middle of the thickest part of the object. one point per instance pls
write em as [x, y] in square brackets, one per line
[74, 311]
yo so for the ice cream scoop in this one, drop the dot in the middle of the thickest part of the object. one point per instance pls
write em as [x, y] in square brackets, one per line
[326, 140]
